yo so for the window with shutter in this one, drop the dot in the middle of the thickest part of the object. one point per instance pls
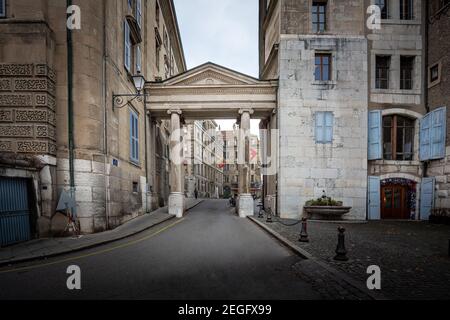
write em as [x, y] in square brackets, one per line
[139, 12]
[433, 127]
[324, 127]
[127, 46]
[2, 8]
[375, 135]
[134, 137]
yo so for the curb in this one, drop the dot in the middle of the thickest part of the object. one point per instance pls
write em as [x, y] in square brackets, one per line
[88, 246]
[306, 255]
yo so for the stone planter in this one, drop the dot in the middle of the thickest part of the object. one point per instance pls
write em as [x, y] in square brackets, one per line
[326, 213]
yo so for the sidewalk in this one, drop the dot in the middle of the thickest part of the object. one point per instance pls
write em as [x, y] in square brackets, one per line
[46, 248]
[413, 256]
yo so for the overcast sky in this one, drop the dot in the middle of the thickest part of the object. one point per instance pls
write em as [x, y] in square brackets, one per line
[220, 31]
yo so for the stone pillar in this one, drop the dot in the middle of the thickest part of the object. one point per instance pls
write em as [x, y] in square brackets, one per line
[153, 194]
[176, 198]
[245, 204]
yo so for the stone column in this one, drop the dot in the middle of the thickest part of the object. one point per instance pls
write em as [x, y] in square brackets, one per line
[154, 202]
[176, 198]
[245, 202]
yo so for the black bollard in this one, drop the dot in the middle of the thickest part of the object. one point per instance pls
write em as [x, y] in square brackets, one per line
[341, 252]
[269, 215]
[261, 209]
[304, 232]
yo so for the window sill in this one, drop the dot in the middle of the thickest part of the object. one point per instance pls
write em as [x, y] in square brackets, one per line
[135, 163]
[397, 162]
[324, 83]
[396, 91]
[401, 21]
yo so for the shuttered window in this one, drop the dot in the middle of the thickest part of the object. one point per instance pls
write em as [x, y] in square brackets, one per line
[139, 12]
[127, 46]
[375, 135]
[324, 127]
[134, 137]
[2, 8]
[433, 129]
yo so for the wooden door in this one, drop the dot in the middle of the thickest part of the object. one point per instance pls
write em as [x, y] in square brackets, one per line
[394, 202]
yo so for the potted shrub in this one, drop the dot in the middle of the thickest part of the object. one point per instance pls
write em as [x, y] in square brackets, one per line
[325, 208]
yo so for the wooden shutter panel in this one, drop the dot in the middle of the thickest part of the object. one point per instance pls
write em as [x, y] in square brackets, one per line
[320, 127]
[2, 8]
[438, 136]
[127, 46]
[375, 135]
[425, 137]
[374, 198]
[426, 197]
[329, 120]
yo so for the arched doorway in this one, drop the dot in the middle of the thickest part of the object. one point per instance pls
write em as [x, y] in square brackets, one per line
[398, 198]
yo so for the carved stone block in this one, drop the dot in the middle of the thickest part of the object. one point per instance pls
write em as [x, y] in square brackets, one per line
[16, 131]
[16, 100]
[32, 146]
[31, 115]
[6, 115]
[5, 146]
[5, 85]
[16, 70]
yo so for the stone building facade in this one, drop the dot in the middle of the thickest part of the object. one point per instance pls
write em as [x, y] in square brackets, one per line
[231, 170]
[204, 159]
[438, 95]
[59, 125]
[352, 116]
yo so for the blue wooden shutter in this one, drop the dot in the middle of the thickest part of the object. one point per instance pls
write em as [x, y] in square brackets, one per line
[324, 127]
[139, 12]
[134, 137]
[2, 8]
[433, 134]
[374, 198]
[426, 197]
[329, 120]
[127, 46]
[320, 127]
[438, 137]
[425, 137]
[375, 135]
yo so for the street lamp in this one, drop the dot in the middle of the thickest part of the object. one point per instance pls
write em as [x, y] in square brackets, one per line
[139, 83]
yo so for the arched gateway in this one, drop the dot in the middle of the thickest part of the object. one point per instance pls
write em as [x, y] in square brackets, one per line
[210, 92]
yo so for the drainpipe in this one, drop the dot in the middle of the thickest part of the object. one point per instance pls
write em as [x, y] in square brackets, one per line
[105, 122]
[425, 72]
[70, 104]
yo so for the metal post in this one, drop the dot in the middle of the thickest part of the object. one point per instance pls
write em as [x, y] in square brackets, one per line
[304, 232]
[341, 252]
[269, 216]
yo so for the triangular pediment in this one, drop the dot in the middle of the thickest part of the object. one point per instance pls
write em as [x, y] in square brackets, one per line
[211, 74]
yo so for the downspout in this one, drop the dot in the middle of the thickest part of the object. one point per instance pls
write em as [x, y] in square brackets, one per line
[425, 73]
[70, 104]
[105, 122]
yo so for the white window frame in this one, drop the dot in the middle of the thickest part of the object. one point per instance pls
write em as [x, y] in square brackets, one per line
[127, 46]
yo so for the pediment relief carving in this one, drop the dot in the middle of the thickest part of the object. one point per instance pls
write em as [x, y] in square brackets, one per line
[212, 78]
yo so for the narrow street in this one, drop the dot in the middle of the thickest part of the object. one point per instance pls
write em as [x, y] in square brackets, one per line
[210, 254]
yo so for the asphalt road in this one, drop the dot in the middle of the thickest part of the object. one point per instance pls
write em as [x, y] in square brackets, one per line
[210, 254]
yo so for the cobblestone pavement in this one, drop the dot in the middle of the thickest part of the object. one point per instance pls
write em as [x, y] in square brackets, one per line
[413, 256]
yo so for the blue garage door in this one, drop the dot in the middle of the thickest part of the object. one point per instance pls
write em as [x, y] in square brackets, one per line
[14, 211]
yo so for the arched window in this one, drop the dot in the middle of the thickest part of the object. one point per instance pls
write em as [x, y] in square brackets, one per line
[398, 138]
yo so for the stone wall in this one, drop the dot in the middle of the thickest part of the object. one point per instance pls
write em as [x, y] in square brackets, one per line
[306, 168]
[438, 96]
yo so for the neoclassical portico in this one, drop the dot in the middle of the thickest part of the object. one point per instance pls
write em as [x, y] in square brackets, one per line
[211, 92]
